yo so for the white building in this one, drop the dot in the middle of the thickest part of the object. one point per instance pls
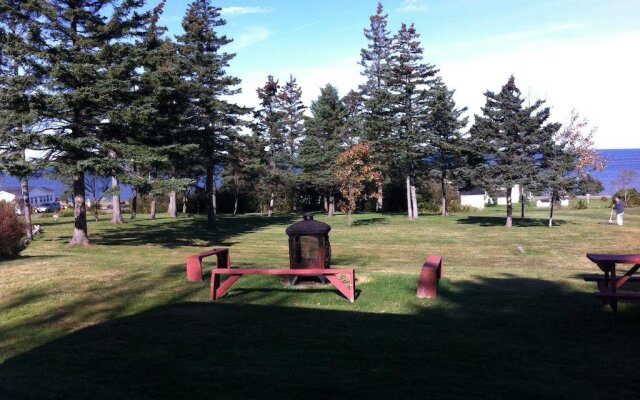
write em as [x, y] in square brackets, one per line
[37, 195]
[476, 198]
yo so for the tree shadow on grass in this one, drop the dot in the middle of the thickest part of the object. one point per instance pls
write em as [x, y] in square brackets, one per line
[482, 338]
[517, 222]
[370, 221]
[174, 233]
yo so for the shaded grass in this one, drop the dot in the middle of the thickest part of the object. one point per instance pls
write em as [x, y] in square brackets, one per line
[118, 320]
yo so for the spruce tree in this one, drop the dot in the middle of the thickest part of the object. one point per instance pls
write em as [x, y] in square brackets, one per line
[377, 116]
[19, 83]
[79, 46]
[322, 144]
[509, 140]
[445, 123]
[410, 78]
[213, 119]
[268, 127]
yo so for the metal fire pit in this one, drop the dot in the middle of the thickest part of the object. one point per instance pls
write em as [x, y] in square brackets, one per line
[309, 244]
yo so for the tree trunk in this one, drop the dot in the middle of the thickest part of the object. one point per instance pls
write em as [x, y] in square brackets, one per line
[293, 201]
[80, 231]
[325, 201]
[521, 205]
[173, 205]
[443, 208]
[235, 200]
[134, 202]
[96, 209]
[152, 212]
[116, 213]
[553, 194]
[209, 189]
[509, 209]
[349, 220]
[184, 203]
[26, 209]
[415, 202]
[409, 201]
[270, 209]
[331, 210]
[379, 202]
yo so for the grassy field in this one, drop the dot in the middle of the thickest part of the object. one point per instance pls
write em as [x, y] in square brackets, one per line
[119, 320]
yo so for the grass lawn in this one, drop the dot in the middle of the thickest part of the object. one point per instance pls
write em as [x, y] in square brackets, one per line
[119, 320]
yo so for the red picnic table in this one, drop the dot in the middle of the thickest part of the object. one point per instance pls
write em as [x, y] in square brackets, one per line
[609, 282]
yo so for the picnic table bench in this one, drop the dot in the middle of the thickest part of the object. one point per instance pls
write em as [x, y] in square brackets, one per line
[219, 288]
[609, 282]
[194, 262]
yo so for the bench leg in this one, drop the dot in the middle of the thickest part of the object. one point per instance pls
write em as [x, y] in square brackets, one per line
[217, 289]
[348, 292]
[194, 269]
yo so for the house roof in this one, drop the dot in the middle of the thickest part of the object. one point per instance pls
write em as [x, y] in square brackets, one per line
[18, 191]
[473, 191]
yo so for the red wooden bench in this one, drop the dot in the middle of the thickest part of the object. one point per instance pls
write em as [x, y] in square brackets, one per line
[219, 288]
[430, 275]
[194, 262]
[609, 283]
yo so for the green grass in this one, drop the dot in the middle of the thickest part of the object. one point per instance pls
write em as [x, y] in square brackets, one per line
[119, 320]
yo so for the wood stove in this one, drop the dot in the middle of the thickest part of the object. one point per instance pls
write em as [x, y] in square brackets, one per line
[309, 245]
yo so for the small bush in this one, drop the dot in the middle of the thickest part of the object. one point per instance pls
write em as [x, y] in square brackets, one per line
[12, 237]
[580, 205]
[604, 198]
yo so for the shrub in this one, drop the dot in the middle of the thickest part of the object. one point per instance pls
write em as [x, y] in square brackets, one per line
[604, 199]
[580, 205]
[12, 237]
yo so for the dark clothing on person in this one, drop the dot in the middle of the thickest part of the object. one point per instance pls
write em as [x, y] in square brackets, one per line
[619, 207]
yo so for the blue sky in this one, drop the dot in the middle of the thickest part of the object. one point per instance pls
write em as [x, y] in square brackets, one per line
[575, 54]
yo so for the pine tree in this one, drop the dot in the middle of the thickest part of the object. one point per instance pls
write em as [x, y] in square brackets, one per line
[377, 117]
[19, 82]
[322, 144]
[213, 119]
[509, 140]
[80, 46]
[269, 127]
[444, 122]
[410, 77]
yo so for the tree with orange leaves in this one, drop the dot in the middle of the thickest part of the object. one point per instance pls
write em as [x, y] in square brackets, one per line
[354, 172]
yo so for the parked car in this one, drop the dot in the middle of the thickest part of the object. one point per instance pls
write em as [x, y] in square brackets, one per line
[48, 207]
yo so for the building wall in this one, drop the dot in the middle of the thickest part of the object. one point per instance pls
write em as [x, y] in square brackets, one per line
[6, 196]
[472, 200]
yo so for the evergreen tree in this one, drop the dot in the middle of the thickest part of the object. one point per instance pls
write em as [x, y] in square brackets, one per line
[212, 118]
[269, 127]
[322, 144]
[377, 116]
[80, 46]
[353, 123]
[290, 103]
[510, 140]
[19, 82]
[410, 77]
[445, 122]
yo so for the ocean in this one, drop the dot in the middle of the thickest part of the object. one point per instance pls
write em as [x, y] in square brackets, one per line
[617, 160]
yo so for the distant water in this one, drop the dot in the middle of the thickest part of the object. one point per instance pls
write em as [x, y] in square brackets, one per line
[618, 160]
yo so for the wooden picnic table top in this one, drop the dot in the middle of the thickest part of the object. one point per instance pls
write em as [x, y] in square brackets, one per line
[614, 258]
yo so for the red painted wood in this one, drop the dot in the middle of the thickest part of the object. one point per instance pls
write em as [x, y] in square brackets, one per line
[609, 284]
[614, 258]
[430, 274]
[218, 289]
[194, 262]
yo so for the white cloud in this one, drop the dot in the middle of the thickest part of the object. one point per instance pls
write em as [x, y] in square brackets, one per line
[414, 6]
[245, 10]
[596, 76]
[523, 35]
[249, 37]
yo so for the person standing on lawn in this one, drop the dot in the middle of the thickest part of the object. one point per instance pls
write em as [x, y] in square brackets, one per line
[618, 207]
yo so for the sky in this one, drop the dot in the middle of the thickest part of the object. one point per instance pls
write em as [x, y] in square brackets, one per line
[575, 54]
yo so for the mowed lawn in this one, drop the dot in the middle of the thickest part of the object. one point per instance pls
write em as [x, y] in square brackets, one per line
[119, 320]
